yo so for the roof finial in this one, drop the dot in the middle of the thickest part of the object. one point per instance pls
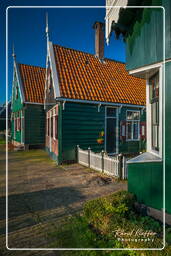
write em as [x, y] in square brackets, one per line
[47, 27]
[13, 52]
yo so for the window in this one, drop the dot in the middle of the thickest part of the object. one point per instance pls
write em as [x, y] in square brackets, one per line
[16, 94]
[51, 126]
[47, 129]
[56, 127]
[111, 112]
[133, 125]
[154, 101]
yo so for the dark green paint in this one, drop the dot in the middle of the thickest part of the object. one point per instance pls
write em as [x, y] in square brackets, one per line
[145, 45]
[145, 180]
[168, 134]
[17, 103]
[60, 133]
[34, 124]
[80, 124]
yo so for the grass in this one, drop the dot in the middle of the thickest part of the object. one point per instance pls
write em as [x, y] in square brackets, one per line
[99, 224]
[2, 141]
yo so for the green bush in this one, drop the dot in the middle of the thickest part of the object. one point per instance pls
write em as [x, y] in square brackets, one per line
[100, 210]
[96, 227]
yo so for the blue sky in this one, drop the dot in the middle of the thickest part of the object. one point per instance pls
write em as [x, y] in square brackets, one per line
[70, 27]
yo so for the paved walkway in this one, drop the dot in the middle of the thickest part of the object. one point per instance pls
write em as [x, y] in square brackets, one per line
[41, 193]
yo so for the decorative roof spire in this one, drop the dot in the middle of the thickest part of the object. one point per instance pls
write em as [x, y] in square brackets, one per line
[13, 52]
[47, 27]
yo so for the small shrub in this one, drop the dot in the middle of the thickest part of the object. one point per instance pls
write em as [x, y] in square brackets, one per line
[118, 204]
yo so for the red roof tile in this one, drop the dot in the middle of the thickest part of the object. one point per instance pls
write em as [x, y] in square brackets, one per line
[82, 76]
[33, 80]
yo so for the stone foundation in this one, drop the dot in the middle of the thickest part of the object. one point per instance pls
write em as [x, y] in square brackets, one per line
[156, 214]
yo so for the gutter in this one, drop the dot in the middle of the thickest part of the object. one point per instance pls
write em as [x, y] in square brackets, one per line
[33, 103]
[99, 102]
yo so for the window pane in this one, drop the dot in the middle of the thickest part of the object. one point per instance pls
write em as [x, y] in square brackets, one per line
[135, 130]
[48, 127]
[129, 115]
[154, 87]
[111, 112]
[136, 115]
[155, 125]
[129, 130]
[52, 126]
[56, 127]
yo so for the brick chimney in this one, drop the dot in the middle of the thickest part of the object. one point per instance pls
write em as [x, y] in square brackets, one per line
[99, 39]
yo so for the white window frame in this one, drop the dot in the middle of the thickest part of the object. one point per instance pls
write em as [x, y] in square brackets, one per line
[146, 72]
[129, 120]
[149, 125]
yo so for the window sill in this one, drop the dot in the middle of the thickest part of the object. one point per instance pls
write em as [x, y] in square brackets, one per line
[145, 158]
[132, 140]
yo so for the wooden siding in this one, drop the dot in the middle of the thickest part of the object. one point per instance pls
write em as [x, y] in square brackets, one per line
[168, 136]
[145, 45]
[16, 104]
[146, 182]
[16, 135]
[34, 124]
[81, 125]
[16, 107]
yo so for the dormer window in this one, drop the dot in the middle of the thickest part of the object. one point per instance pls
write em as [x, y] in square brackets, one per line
[49, 80]
[16, 94]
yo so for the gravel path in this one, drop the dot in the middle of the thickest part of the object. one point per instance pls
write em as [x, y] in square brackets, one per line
[40, 194]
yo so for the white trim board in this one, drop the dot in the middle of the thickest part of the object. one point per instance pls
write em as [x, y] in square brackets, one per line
[20, 85]
[53, 69]
[148, 70]
[148, 116]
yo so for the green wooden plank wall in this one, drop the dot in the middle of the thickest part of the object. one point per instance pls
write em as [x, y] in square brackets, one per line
[16, 135]
[16, 101]
[34, 124]
[81, 125]
[145, 45]
[145, 180]
[167, 134]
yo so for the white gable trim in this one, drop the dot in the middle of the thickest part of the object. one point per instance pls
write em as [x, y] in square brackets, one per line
[20, 85]
[53, 69]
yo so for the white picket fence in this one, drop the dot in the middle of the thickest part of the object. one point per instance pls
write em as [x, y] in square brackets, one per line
[111, 165]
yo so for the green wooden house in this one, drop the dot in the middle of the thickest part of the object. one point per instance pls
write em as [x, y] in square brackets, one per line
[27, 108]
[85, 106]
[148, 37]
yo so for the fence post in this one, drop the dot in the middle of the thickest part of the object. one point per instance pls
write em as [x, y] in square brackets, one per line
[123, 168]
[120, 165]
[89, 152]
[102, 160]
[77, 153]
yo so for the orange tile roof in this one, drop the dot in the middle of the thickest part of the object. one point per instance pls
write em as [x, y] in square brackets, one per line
[82, 76]
[33, 80]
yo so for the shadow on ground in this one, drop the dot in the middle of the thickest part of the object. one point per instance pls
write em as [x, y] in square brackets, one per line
[40, 200]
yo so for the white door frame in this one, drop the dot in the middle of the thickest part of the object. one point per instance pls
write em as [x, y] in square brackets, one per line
[117, 129]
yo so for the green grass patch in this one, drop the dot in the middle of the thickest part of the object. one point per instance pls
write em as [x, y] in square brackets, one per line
[2, 141]
[103, 222]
